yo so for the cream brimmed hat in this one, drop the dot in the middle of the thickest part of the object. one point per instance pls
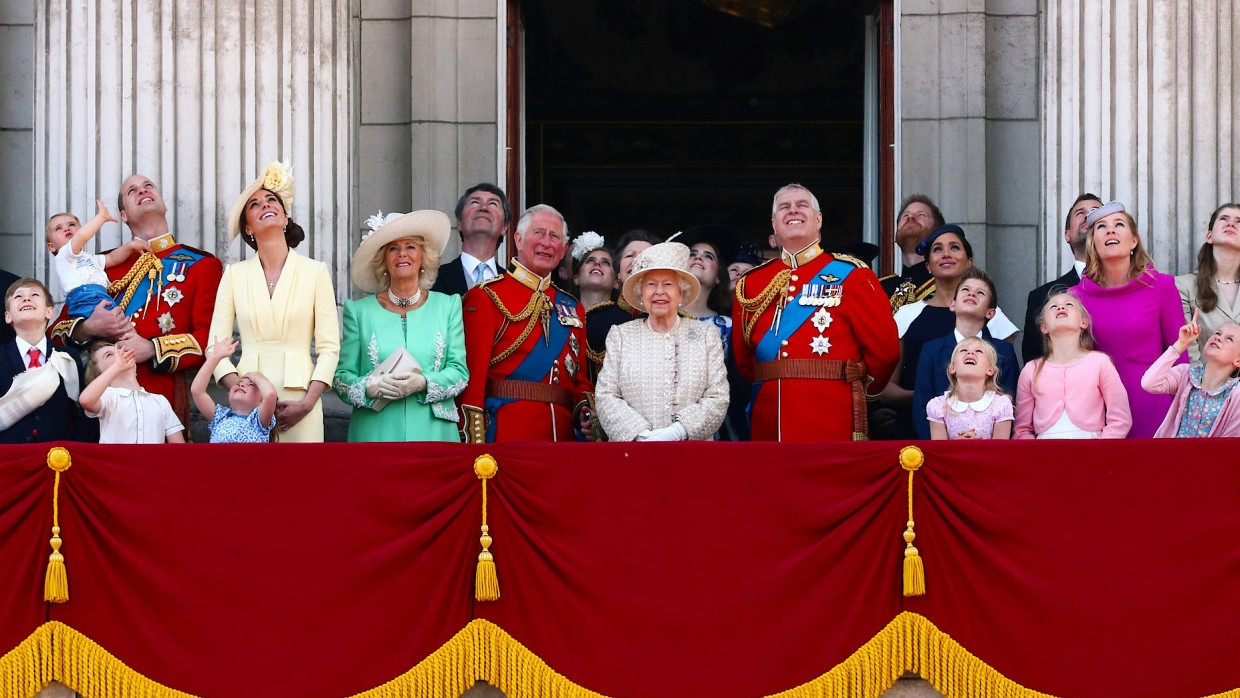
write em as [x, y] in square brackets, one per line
[432, 225]
[669, 256]
[277, 179]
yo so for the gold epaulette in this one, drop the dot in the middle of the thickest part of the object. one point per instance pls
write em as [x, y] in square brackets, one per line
[851, 260]
[170, 348]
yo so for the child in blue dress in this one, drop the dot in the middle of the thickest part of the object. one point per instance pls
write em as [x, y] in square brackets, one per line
[251, 412]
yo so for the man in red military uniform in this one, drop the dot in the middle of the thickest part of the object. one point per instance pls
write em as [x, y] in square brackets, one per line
[807, 329]
[164, 297]
[525, 344]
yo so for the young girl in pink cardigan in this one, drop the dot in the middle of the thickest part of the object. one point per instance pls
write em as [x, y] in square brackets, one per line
[1206, 400]
[1072, 392]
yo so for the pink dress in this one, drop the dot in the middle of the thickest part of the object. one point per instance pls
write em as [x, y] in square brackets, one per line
[1133, 324]
[981, 415]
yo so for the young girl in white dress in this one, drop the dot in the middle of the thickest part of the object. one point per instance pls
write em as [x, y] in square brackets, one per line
[974, 407]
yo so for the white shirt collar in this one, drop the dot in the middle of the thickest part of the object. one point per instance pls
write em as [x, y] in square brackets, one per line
[470, 264]
[23, 348]
[960, 338]
[978, 405]
[1080, 268]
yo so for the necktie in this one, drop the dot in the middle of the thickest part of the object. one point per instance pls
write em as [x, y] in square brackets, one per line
[481, 273]
[34, 357]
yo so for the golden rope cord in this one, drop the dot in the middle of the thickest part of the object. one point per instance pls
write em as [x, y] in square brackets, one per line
[758, 304]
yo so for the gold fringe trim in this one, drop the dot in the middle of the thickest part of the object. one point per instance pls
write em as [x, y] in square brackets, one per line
[911, 644]
[56, 652]
[482, 651]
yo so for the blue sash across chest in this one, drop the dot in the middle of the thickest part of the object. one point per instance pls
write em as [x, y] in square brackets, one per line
[542, 355]
[176, 264]
[795, 314]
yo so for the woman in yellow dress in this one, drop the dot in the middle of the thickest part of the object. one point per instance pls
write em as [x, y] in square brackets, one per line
[283, 304]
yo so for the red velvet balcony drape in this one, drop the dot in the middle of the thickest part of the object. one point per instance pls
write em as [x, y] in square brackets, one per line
[1076, 569]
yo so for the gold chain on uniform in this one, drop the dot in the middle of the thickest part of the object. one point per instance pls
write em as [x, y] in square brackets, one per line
[148, 265]
[534, 310]
[758, 304]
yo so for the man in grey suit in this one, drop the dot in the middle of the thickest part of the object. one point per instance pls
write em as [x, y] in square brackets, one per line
[1076, 235]
[482, 217]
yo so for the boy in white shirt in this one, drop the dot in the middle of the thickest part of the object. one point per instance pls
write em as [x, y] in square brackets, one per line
[127, 413]
[82, 275]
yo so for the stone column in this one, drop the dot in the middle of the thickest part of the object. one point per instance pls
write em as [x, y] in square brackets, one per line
[970, 134]
[1140, 107]
[17, 244]
[430, 101]
[199, 97]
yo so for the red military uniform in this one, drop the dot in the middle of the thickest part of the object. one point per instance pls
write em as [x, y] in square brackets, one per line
[170, 298]
[798, 322]
[525, 344]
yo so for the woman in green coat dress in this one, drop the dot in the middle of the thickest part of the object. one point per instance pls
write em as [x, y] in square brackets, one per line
[402, 352]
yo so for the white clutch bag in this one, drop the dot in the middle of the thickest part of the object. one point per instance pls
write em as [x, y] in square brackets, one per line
[399, 361]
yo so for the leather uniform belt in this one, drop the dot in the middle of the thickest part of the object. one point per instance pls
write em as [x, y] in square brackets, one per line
[525, 390]
[851, 372]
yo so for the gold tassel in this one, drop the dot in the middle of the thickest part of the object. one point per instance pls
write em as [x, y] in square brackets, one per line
[56, 582]
[911, 458]
[486, 581]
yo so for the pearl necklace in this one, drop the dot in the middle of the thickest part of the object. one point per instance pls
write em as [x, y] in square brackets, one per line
[1227, 283]
[405, 302]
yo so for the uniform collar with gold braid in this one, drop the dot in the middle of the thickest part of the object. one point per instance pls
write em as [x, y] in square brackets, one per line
[527, 278]
[813, 251]
[162, 243]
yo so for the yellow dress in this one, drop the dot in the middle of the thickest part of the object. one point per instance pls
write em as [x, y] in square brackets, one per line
[277, 330]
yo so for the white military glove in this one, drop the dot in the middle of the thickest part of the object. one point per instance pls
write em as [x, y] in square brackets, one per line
[407, 383]
[674, 432]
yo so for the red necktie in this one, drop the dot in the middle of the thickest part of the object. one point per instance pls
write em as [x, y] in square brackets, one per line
[34, 357]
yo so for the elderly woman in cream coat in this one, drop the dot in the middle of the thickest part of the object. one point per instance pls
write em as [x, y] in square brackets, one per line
[663, 378]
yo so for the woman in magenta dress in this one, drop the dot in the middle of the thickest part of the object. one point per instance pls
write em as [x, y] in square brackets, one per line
[1136, 309]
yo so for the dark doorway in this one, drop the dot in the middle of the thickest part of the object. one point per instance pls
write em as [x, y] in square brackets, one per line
[664, 114]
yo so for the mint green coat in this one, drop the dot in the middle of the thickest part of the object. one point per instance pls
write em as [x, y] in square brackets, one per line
[435, 336]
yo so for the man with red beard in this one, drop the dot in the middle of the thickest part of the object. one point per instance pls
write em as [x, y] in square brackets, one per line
[525, 344]
[807, 328]
[918, 218]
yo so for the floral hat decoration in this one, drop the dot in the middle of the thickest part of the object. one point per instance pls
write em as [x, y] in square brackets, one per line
[433, 226]
[586, 243]
[277, 179]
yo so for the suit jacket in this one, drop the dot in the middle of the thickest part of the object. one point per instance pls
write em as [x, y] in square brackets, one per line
[6, 330]
[932, 374]
[58, 419]
[451, 279]
[1031, 342]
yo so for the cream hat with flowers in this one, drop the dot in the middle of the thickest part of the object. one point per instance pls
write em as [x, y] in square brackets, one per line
[434, 226]
[277, 179]
[669, 256]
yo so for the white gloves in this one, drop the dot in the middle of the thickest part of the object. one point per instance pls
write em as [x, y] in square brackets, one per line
[674, 432]
[394, 386]
[407, 383]
[377, 387]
